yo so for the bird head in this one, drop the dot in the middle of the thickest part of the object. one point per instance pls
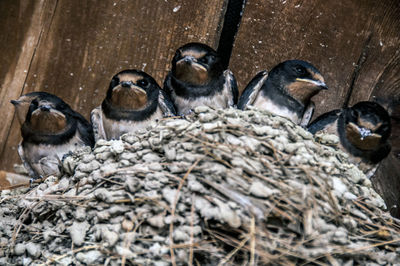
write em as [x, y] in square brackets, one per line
[22, 104]
[196, 64]
[367, 125]
[298, 79]
[131, 89]
[47, 117]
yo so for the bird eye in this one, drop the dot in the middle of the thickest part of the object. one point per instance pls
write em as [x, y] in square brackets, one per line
[114, 82]
[211, 57]
[178, 54]
[300, 70]
[35, 103]
[203, 60]
[143, 83]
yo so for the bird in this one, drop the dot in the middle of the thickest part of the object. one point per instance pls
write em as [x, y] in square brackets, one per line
[286, 90]
[197, 77]
[22, 104]
[50, 129]
[363, 132]
[133, 100]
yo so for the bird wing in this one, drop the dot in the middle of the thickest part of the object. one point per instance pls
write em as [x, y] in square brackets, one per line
[85, 130]
[231, 86]
[83, 126]
[96, 118]
[167, 87]
[252, 89]
[324, 120]
[50, 165]
[165, 104]
[307, 115]
[27, 165]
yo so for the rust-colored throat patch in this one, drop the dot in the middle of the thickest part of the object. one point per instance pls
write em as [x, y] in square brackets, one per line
[354, 135]
[191, 72]
[302, 91]
[48, 122]
[129, 98]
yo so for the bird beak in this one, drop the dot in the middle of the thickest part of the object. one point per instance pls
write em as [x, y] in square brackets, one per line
[139, 90]
[188, 59]
[317, 83]
[14, 102]
[45, 108]
[192, 61]
[364, 132]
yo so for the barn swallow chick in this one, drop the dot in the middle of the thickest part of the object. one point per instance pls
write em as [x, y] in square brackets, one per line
[363, 131]
[197, 78]
[133, 100]
[286, 91]
[50, 130]
[22, 104]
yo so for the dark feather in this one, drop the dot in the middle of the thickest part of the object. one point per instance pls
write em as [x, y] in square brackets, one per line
[308, 113]
[85, 130]
[167, 87]
[233, 85]
[166, 104]
[323, 120]
[250, 92]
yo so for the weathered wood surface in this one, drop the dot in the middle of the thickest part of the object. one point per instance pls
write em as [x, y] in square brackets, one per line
[21, 24]
[387, 178]
[73, 48]
[333, 35]
[355, 44]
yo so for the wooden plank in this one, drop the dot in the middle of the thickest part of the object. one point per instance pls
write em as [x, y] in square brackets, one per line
[89, 41]
[379, 74]
[387, 178]
[379, 79]
[329, 34]
[27, 19]
[335, 36]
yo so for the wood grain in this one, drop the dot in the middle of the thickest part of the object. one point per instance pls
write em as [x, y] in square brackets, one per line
[329, 34]
[387, 177]
[18, 46]
[73, 48]
[83, 44]
[335, 36]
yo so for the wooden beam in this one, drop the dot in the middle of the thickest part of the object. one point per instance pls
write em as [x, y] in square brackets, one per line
[355, 44]
[329, 34]
[22, 24]
[87, 42]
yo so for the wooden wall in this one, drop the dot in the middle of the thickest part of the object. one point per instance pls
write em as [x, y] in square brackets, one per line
[355, 45]
[72, 48]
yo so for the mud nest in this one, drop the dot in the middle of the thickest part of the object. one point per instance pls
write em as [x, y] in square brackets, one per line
[217, 187]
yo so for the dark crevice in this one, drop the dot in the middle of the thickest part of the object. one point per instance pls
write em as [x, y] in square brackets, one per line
[361, 61]
[233, 16]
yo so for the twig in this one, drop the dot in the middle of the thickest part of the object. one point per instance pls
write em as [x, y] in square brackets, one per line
[56, 197]
[171, 225]
[252, 241]
[28, 184]
[57, 258]
[127, 241]
[191, 232]
[374, 245]
[233, 252]
[21, 219]
[238, 198]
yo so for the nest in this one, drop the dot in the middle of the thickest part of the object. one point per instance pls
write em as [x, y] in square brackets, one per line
[217, 187]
